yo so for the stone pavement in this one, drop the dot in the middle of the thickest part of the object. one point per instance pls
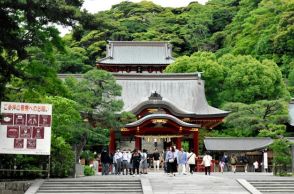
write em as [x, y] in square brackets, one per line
[194, 184]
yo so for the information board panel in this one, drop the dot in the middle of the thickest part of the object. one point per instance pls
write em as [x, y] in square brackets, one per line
[25, 128]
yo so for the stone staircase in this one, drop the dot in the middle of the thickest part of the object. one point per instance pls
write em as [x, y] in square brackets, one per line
[83, 186]
[283, 186]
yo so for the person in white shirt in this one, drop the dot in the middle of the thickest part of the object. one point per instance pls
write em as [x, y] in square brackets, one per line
[130, 167]
[118, 160]
[207, 162]
[191, 161]
[125, 163]
[256, 165]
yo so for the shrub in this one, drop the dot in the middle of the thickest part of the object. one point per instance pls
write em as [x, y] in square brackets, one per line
[89, 171]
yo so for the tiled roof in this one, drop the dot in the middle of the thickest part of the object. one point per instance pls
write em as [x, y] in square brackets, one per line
[236, 143]
[184, 91]
[136, 52]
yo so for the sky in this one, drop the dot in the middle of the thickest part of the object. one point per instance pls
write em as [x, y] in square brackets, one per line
[93, 6]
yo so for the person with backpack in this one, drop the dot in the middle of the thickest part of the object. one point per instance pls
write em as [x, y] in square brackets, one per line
[233, 161]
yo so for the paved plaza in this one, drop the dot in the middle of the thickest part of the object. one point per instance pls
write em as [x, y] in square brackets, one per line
[198, 183]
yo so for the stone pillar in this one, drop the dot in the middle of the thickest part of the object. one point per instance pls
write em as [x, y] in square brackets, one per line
[179, 143]
[196, 142]
[112, 141]
[138, 143]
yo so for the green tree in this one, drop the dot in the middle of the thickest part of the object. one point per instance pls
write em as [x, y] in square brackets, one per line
[62, 158]
[263, 29]
[40, 79]
[213, 72]
[248, 79]
[282, 156]
[263, 118]
[97, 94]
[29, 23]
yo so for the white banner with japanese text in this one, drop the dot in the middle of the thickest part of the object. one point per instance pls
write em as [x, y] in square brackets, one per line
[25, 128]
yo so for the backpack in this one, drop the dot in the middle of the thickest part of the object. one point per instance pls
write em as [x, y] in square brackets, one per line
[233, 160]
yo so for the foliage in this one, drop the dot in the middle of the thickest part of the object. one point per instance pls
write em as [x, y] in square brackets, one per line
[249, 80]
[185, 145]
[89, 171]
[263, 118]
[62, 158]
[282, 156]
[232, 78]
[87, 155]
[97, 95]
[263, 29]
[30, 23]
[40, 78]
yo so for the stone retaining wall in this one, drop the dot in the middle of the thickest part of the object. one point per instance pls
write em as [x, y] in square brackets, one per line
[14, 187]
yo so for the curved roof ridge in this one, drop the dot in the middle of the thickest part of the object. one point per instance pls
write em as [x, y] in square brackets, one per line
[162, 116]
[136, 107]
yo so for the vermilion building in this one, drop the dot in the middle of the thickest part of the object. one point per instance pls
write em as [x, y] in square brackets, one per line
[169, 107]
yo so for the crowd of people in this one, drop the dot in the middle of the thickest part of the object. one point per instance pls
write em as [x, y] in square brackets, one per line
[127, 162]
[172, 160]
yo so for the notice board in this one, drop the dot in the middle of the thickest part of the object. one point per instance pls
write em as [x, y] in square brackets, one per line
[25, 128]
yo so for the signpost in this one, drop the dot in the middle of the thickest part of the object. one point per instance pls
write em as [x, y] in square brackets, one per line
[25, 128]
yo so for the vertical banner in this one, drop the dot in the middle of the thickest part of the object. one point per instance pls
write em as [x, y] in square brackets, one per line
[25, 128]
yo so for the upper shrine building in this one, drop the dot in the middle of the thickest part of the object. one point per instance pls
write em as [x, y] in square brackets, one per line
[170, 107]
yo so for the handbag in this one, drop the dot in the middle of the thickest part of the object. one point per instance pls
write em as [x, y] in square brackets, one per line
[171, 160]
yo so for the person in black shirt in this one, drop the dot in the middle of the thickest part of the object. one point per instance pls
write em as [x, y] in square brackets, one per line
[156, 157]
[135, 160]
[105, 160]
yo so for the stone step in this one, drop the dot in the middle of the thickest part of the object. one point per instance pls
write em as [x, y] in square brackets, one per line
[73, 186]
[274, 186]
[91, 183]
[100, 192]
[97, 187]
[108, 190]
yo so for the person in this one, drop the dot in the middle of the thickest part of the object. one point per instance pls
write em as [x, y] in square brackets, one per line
[182, 159]
[143, 162]
[155, 142]
[125, 163]
[171, 162]
[207, 162]
[191, 157]
[225, 159]
[105, 160]
[130, 165]
[245, 161]
[156, 157]
[222, 165]
[117, 162]
[256, 165]
[135, 160]
[233, 161]
[96, 165]
[164, 160]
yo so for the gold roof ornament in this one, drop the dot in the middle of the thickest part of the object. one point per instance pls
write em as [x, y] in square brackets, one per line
[159, 121]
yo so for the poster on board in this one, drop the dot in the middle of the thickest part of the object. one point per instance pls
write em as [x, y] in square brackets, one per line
[25, 128]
